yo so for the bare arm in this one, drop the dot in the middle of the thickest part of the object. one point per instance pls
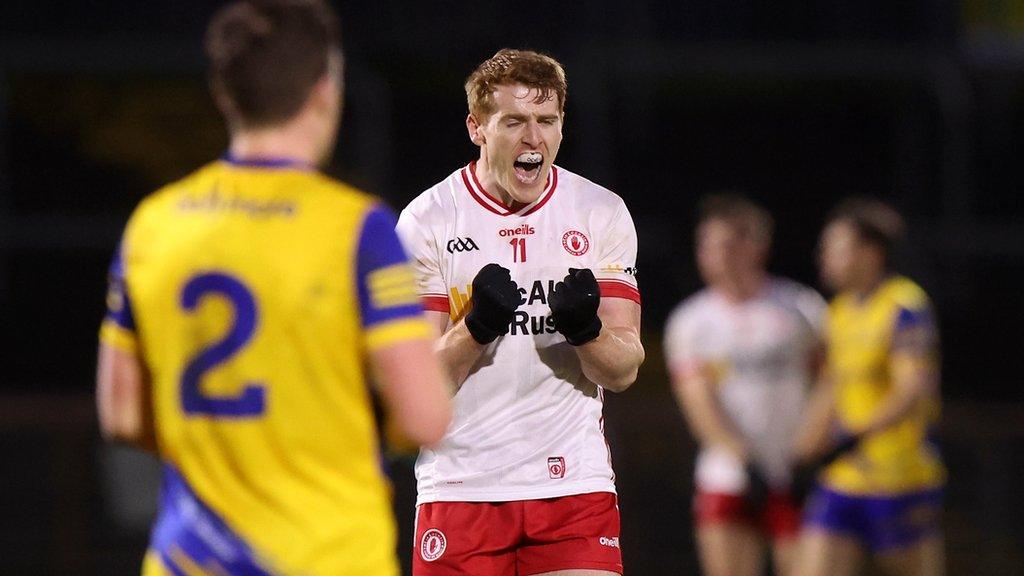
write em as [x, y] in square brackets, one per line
[695, 394]
[456, 349]
[613, 359]
[413, 389]
[814, 436]
[123, 398]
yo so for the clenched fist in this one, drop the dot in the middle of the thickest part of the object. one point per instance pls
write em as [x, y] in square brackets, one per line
[495, 300]
[574, 303]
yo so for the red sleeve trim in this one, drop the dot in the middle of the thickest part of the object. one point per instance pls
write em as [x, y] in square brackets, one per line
[618, 289]
[436, 303]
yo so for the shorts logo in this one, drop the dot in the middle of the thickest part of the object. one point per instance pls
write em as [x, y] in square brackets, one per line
[556, 467]
[575, 243]
[461, 245]
[432, 545]
[612, 542]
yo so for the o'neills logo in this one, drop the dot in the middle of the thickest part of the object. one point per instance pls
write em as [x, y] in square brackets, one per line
[575, 243]
[523, 230]
[432, 545]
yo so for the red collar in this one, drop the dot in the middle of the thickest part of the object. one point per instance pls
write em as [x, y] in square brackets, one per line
[496, 206]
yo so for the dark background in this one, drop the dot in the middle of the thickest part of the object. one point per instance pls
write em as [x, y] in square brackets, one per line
[798, 103]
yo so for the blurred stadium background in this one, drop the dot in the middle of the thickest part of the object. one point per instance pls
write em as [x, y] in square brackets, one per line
[798, 103]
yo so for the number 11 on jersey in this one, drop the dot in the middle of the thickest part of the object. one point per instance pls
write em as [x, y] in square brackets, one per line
[518, 249]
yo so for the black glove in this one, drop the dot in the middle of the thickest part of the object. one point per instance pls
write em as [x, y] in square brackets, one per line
[574, 304]
[495, 299]
[757, 492]
[803, 479]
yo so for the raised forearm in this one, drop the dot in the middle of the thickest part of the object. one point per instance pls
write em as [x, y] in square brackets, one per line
[457, 352]
[613, 359]
[494, 302]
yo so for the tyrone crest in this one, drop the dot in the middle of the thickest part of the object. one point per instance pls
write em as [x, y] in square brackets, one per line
[575, 243]
[432, 545]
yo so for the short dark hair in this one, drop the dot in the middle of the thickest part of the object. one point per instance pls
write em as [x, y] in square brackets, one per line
[266, 55]
[749, 218]
[875, 222]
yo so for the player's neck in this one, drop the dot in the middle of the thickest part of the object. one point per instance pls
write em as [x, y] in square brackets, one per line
[487, 180]
[286, 142]
[743, 287]
[868, 284]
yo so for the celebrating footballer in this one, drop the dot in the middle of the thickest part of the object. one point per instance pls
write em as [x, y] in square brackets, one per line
[528, 270]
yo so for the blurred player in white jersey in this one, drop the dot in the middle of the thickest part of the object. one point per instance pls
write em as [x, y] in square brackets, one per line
[529, 272]
[742, 353]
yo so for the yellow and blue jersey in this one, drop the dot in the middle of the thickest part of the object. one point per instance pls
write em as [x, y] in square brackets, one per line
[252, 292]
[865, 338]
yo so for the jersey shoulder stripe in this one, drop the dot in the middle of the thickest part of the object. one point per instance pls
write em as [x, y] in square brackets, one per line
[386, 283]
[189, 534]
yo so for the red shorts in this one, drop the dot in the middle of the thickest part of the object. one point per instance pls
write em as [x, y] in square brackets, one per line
[519, 537]
[779, 519]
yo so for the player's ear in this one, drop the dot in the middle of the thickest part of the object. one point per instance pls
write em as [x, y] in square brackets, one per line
[224, 103]
[324, 92]
[475, 134]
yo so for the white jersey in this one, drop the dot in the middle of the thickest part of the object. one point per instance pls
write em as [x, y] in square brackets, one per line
[760, 354]
[527, 423]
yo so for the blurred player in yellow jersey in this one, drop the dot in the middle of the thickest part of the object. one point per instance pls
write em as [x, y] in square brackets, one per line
[246, 303]
[880, 487]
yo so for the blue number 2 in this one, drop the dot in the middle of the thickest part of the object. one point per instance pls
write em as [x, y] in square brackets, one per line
[252, 400]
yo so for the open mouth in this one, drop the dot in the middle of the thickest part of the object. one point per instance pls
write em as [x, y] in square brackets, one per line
[527, 166]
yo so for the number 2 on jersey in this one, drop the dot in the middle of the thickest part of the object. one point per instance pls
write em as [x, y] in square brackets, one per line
[518, 249]
[252, 400]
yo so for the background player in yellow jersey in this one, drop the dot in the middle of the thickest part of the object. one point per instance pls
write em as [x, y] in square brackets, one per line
[881, 484]
[245, 302]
